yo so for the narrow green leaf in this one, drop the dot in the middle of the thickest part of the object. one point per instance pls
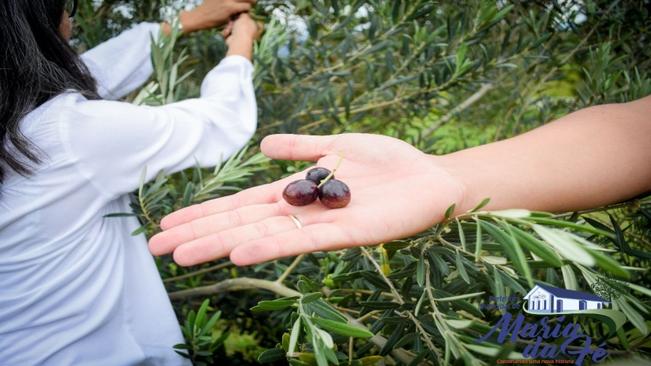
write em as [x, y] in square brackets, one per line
[449, 211]
[609, 264]
[565, 245]
[569, 225]
[462, 235]
[325, 337]
[512, 214]
[483, 350]
[120, 214]
[639, 289]
[460, 297]
[538, 247]
[520, 259]
[494, 260]
[274, 305]
[308, 298]
[323, 309]
[481, 204]
[511, 247]
[420, 271]
[478, 242]
[293, 337]
[569, 278]
[319, 350]
[139, 230]
[344, 329]
[271, 355]
[201, 314]
[459, 323]
[502, 13]
[210, 325]
[632, 315]
[461, 268]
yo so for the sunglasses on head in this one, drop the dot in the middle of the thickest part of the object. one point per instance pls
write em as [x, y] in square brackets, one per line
[71, 7]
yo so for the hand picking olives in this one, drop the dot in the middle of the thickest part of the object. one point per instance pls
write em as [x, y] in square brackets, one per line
[319, 182]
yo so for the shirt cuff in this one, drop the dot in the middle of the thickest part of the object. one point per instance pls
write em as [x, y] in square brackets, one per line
[153, 28]
[232, 73]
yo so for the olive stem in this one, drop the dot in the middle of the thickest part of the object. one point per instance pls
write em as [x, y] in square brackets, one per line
[332, 173]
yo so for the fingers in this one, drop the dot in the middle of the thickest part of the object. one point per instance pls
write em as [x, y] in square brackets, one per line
[311, 238]
[297, 147]
[166, 241]
[219, 245]
[266, 193]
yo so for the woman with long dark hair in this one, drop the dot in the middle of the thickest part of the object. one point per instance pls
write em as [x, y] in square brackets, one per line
[75, 287]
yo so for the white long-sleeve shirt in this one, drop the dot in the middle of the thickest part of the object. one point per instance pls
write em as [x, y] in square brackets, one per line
[75, 287]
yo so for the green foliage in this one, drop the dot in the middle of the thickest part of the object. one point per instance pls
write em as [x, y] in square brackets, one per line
[443, 77]
[198, 331]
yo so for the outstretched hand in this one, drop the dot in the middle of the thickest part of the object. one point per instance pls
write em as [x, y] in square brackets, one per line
[397, 191]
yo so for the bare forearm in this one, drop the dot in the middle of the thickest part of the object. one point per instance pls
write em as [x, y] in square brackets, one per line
[242, 46]
[190, 22]
[589, 158]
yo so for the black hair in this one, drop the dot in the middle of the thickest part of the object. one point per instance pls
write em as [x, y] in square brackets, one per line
[36, 64]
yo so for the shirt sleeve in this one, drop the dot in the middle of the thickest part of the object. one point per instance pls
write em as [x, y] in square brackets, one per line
[112, 142]
[123, 63]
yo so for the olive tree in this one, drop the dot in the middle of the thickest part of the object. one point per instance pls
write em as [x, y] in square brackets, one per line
[442, 76]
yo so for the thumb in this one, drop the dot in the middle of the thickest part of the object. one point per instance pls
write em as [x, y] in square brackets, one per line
[297, 147]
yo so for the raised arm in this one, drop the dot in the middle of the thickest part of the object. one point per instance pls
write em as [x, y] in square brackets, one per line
[123, 63]
[589, 158]
[112, 142]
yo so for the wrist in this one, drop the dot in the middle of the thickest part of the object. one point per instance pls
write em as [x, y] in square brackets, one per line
[190, 21]
[239, 39]
[451, 167]
[242, 48]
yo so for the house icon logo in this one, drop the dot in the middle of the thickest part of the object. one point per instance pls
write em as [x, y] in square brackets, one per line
[543, 299]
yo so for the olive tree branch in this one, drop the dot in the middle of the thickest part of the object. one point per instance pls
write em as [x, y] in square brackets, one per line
[396, 294]
[235, 284]
[244, 283]
[424, 335]
[199, 272]
[290, 269]
[475, 97]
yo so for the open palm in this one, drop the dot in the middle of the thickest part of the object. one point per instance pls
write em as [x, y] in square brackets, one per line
[396, 190]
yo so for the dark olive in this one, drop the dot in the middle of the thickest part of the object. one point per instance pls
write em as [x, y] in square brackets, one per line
[334, 194]
[317, 174]
[301, 192]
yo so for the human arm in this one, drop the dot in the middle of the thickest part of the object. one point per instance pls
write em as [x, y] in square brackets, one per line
[589, 158]
[239, 33]
[112, 142]
[398, 191]
[123, 63]
[210, 14]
